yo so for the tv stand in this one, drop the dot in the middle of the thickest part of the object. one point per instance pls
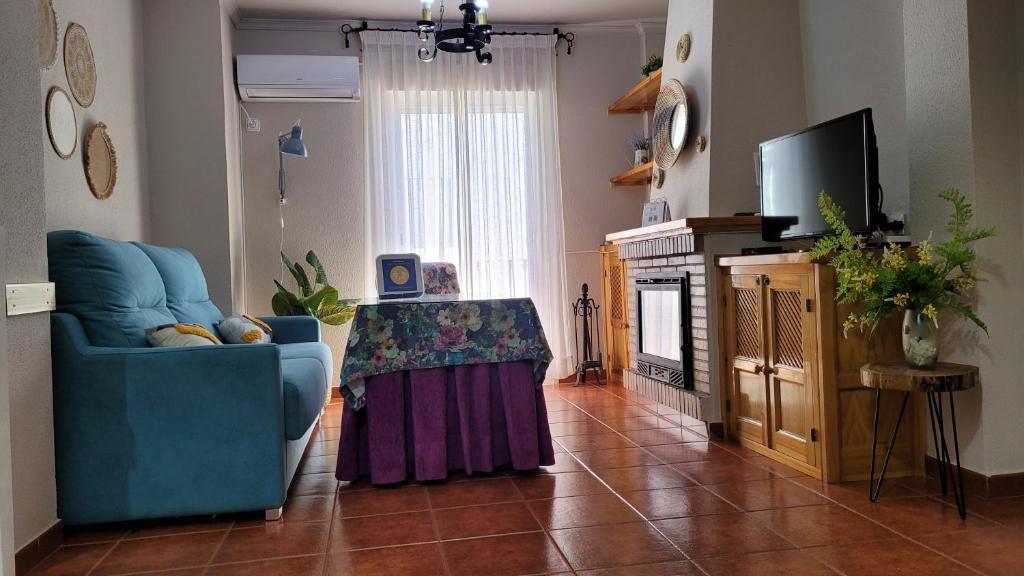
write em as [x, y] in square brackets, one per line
[757, 250]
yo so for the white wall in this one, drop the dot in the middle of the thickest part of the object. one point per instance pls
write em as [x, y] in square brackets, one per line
[993, 43]
[853, 59]
[593, 148]
[740, 94]
[23, 214]
[687, 184]
[189, 129]
[326, 191]
[6, 476]
[115, 32]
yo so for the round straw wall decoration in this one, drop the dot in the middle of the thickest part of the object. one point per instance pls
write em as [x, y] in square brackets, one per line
[683, 48]
[79, 64]
[49, 37]
[100, 161]
[671, 121]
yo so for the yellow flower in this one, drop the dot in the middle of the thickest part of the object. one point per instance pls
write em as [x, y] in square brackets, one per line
[893, 257]
[964, 283]
[869, 279]
[901, 299]
[850, 323]
[924, 252]
[930, 311]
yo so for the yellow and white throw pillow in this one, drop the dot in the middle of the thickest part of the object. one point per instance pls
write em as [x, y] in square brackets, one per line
[180, 335]
[244, 329]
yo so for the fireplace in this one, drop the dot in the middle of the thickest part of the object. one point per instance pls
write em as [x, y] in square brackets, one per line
[664, 346]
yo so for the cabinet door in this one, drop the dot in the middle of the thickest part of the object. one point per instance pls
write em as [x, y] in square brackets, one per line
[791, 351]
[616, 319]
[748, 392]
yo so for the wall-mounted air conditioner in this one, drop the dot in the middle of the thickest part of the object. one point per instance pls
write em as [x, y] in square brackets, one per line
[279, 78]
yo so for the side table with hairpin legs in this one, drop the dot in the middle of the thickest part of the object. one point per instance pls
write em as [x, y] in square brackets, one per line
[944, 377]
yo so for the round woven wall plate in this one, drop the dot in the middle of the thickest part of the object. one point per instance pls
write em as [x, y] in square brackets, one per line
[683, 48]
[666, 115]
[61, 122]
[100, 161]
[79, 64]
[49, 38]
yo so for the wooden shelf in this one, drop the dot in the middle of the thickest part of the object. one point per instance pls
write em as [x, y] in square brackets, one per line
[640, 98]
[639, 176]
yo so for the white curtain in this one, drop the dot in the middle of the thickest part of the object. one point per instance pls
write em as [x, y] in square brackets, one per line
[462, 166]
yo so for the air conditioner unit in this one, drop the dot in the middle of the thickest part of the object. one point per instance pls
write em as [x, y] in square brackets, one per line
[278, 78]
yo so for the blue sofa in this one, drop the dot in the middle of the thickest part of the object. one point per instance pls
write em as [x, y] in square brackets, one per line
[147, 432]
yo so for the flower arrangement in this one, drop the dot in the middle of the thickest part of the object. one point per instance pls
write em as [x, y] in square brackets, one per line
[933, 278]
[637, 141]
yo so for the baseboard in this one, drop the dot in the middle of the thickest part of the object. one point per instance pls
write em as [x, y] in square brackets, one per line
[37, 550]
[978, 484]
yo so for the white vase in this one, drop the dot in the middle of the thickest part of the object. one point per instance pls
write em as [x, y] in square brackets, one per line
[639, 158]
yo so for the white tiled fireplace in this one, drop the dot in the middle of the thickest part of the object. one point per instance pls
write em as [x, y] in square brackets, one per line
[683, 249]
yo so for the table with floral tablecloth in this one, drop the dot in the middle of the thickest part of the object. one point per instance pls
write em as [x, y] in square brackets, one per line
[443, 383]
[432, 332]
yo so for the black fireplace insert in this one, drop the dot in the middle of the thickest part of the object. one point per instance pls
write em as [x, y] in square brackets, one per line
[664, 345]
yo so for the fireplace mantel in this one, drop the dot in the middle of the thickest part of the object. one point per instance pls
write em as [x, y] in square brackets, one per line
[688, 226]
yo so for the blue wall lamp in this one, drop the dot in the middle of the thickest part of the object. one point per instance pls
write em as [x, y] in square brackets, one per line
[292, 145]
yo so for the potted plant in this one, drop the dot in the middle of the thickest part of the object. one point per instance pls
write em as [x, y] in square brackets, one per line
[318, 298]
[653, 64]
[639, 144]
[921, 282]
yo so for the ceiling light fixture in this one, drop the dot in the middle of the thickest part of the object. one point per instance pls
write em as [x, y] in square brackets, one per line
[473, 36]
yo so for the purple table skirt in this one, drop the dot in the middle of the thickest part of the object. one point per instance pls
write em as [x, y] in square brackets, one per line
[422, 424]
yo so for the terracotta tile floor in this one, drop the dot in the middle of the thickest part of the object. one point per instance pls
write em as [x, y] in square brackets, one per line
[637, 490]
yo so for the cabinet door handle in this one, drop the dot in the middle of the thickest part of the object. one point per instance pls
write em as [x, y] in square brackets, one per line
[758, 369]
[769, 370]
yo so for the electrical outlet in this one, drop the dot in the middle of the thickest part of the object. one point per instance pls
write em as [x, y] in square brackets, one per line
[252, 125]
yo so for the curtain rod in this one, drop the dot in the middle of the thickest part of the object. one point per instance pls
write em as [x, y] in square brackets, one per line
[569, 37]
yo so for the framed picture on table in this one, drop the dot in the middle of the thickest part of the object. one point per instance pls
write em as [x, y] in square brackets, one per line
[399, 276]
[655, 212]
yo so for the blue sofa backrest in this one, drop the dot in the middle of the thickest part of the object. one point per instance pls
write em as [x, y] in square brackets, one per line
[188, 298]
[113, 288]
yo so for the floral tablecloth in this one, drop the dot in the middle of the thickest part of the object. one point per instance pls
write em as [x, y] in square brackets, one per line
[432, 333]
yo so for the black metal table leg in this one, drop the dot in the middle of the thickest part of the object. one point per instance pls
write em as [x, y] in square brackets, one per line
[961, 497]
[934, 414]
[942, 451]
[873, 489]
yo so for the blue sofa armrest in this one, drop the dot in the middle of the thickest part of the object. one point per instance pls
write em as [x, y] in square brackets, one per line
[155, 432]
[294, 329]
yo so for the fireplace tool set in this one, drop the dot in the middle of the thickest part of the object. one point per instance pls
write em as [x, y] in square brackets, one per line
[585, 316]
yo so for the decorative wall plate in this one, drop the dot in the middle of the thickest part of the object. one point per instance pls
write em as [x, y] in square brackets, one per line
[683, 48]
[61, 123]
[49, 37]
[100, 161]
[671, 122]
[79, 64]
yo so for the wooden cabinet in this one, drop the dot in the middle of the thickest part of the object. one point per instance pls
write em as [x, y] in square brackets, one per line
[616, 317]
[790, 384]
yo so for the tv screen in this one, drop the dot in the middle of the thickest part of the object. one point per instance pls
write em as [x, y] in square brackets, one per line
[838, 157]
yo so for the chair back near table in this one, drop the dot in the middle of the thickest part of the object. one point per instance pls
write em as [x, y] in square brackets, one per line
[440, 278]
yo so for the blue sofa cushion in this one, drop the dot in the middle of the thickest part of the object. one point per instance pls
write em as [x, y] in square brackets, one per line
[305, 391]
[112, 287]
[187, 295]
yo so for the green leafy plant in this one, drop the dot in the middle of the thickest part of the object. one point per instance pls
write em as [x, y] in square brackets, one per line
[318, 298]
[654, 63]
[928, 279]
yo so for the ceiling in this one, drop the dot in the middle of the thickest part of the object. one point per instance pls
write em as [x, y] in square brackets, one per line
[501, 11]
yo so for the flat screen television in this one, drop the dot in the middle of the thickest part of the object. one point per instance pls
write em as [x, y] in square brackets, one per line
[839, 157]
